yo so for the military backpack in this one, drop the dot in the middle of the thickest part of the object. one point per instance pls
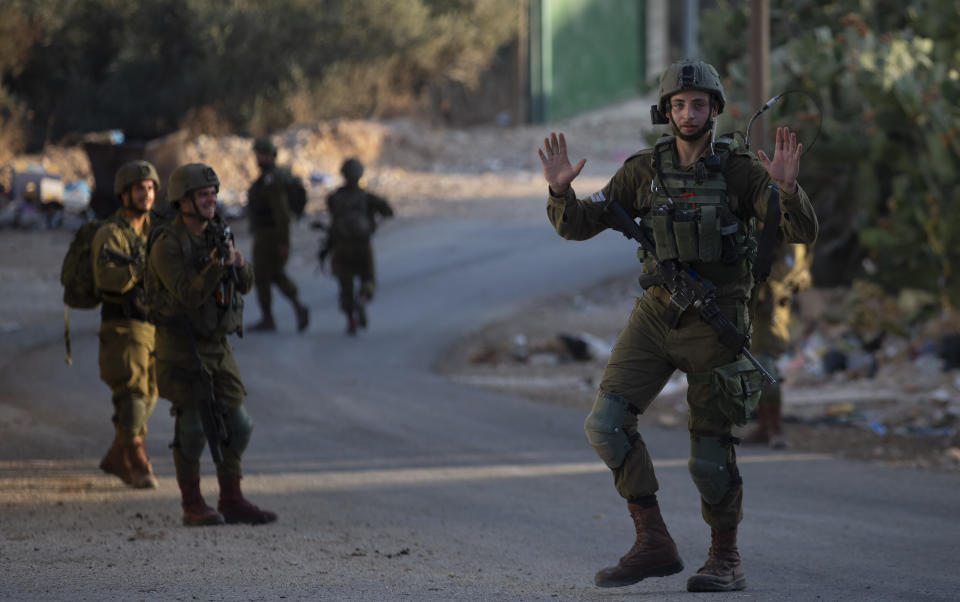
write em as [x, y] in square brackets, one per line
[76, 272]
[296, 195]
[352, 222]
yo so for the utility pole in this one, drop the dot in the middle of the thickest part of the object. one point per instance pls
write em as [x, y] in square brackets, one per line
[691, 45]
[759, 65]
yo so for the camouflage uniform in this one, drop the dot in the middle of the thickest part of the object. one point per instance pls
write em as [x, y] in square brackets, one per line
[701, 215]
[196, 301]
[789, 274]
[270, 219]
[352, 253]
[126, 359]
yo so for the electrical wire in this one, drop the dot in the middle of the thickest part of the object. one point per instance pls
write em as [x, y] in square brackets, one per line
[778, 98]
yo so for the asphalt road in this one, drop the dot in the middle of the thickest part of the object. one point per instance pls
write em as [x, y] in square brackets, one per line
[393, 483]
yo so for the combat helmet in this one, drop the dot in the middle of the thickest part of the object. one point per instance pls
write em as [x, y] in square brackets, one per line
[690, 74]
[352, 169]
[133, 172]
[190, 177]
[263, 144]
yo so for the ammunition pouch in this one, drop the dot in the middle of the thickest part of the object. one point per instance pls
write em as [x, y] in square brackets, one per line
[738, 384]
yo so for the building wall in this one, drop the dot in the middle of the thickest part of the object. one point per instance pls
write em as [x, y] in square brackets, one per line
[585, 54]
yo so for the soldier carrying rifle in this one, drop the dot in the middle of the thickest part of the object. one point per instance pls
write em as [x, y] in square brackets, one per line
[195, 281]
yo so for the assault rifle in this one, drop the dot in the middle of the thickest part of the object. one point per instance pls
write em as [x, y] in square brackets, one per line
[687, 288]
[211, 415]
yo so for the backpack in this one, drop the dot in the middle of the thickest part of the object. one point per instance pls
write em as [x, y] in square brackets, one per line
[353, 225]
[296, 195]
[76, 273]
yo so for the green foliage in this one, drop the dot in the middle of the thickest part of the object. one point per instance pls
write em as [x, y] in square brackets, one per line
[146, 65]
[883, 174]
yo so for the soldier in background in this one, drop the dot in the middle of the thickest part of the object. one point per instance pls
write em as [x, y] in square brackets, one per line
[270, 218]
[195, 281]
[126, 360]
[789, 274]
[353, 220]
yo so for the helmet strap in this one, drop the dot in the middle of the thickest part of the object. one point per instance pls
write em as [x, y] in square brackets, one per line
[196, 210]
[696, 135]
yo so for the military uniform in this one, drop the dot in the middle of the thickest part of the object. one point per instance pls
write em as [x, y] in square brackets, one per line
[196, 301]
[353, 212]
[126, 337]
[700, 217]
[126, 359]
[789, 274]
[269, 212]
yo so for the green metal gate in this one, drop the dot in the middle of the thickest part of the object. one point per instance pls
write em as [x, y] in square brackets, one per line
[584, 54]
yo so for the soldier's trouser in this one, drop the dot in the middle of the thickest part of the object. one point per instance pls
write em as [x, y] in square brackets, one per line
[349, 263]
[646, 354]
[128, 367]
[180, 383]
[268, 270]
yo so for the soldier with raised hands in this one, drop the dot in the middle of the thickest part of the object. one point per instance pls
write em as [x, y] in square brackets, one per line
[698, 196]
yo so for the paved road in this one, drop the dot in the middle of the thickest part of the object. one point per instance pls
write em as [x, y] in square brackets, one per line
[393, 483]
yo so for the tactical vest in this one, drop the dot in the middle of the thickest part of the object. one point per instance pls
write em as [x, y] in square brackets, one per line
[138, 248]
[220, 314]
[692, 219]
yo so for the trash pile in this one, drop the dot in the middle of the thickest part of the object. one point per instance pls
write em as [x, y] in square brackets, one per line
[885, 365]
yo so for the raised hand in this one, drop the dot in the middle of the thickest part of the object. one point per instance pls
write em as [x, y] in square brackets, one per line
[785, 166]
[557, 170]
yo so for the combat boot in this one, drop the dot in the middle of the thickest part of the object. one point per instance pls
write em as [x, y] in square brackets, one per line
[654, 553]
[361, 313]
[116, 462]
[723, 571]
[303, 316]
[196, 512]
[141, 472]
[236, 509]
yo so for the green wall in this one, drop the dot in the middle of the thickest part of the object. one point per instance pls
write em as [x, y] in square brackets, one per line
[584, 54]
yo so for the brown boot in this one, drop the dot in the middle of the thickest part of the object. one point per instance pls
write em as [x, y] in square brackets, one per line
[141, 472]
[723, 571]
[654, 554]
[116, 462]
[196, 512]
[236, 509]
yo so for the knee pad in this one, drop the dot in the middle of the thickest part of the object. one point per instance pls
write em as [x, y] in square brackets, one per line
[239, 428]
[188, 433]
[604, 428]
[708, 467]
